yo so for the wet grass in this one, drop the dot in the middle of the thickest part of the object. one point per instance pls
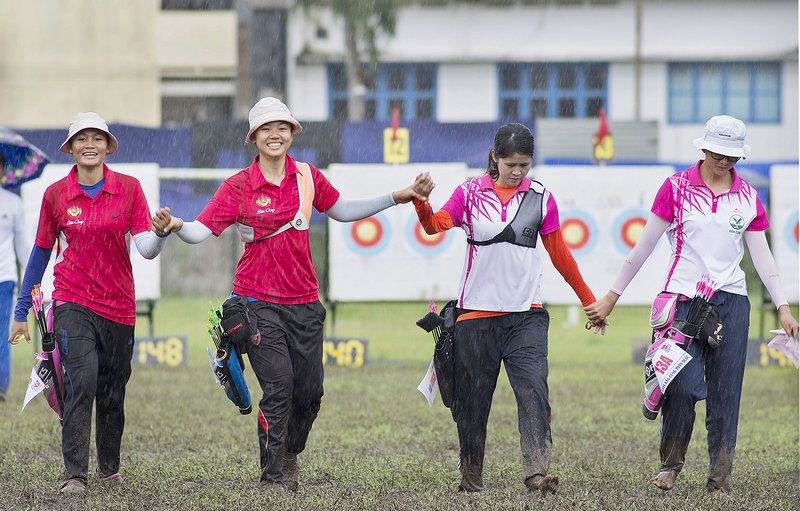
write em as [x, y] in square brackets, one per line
[377, 444]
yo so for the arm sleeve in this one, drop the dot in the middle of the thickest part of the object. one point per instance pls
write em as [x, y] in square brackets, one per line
[194, 232]
[655, 227]
[22, 244]
[565, 264]
[148, 244]
[34, 272]
[765, 265]
[344, 210]
[432, 222]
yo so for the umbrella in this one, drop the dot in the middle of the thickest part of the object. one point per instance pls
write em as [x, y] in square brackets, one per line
[24, 161]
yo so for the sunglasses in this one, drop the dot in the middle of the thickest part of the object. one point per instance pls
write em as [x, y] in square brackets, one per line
[720, 157]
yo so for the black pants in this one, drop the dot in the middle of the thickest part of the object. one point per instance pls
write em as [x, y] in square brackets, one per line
[288, 365]
[96, 354]
[519, 340]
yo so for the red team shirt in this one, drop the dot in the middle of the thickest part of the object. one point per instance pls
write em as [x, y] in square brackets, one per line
[93, 263]
[277, 269]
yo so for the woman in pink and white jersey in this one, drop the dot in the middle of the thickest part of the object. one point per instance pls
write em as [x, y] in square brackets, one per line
[90, 216]
[270, 203]
[500, 312]
[707, 212]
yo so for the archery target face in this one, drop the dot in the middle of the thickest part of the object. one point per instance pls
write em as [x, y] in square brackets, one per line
[791, 232]
[368, 236]
[627, 229]
[424, 243]
[579, 231]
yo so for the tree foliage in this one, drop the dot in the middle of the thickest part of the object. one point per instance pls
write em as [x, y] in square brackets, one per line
[365, 21]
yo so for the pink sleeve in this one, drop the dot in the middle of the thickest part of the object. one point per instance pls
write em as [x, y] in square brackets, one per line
[550, 223]
[140, 212]
[222, 210]
[325, 195]
[760, 222]
[664, 203]
[456, 207]
[47, 230]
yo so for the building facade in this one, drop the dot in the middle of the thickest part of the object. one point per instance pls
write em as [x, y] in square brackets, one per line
[658, 69]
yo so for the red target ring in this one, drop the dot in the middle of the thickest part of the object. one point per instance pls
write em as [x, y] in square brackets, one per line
[425, 239]
[367, 232]
[631, 230]
[575, 233]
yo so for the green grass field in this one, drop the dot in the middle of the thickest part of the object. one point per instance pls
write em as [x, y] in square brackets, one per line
[378, 445]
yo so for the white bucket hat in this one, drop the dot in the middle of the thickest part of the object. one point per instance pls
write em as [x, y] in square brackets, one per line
[724, 135]
[270, 110]
[86, 120]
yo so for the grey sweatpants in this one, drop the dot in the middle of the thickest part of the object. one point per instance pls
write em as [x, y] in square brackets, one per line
[519, 340]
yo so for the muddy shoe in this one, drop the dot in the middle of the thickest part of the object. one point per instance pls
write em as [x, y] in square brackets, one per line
[546, 484]
[291, 472]
[272, 486]
[471, 479]
[114, 479]
[665, 480]
[719, 493]
[73, 487]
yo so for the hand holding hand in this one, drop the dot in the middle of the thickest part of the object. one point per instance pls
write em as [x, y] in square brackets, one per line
[600, 310]
[787, 321]
[164, 223]
[19, 329]
[420, 190]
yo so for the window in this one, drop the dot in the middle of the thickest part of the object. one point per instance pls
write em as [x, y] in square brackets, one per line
[750, 91]
[409, 87]
[528, 91]
[202, 5]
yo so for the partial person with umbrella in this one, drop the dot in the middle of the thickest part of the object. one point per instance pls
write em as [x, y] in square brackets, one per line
[90, 216]
[19, 161]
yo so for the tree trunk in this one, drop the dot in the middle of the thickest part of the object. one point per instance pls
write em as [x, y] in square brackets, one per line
[355, 76]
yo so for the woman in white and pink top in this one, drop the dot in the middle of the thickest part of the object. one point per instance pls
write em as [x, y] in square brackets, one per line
[707, 211]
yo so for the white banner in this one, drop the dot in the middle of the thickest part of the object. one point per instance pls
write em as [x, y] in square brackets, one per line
[146, 273]
[602, 212]
[388, 256]
[783, 190]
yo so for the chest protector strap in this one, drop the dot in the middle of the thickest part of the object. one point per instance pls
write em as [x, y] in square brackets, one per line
[523, 230]
[302, 219]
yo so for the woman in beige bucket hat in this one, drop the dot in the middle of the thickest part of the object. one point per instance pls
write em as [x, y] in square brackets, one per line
[270, 203]
[88, 216]
[708, 212]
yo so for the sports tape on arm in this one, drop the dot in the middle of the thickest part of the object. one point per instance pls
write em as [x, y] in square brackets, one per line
[765, 265]
[149, 244]
[652, 232]
[193, 232]
[348, 210]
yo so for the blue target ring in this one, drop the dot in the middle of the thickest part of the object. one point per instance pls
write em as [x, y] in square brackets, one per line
[790, 231]
[579, 231]
[424, 243]
[627, 227]
[368, 236]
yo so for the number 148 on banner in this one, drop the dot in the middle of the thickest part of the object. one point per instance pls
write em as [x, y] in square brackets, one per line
[396, 145]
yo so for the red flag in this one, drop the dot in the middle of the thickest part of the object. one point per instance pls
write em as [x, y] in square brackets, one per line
[603, 141]
[395, 122]
[603, 131]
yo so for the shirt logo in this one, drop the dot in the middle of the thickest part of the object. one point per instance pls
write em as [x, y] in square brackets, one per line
[74, 211]
[736, 222]
[263, 201]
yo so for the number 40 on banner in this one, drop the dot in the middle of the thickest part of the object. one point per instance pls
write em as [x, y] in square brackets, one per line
[395, 145]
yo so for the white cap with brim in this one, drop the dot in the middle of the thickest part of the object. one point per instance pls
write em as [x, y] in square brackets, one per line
[270, 110]
[724, 135]
[87, 120]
